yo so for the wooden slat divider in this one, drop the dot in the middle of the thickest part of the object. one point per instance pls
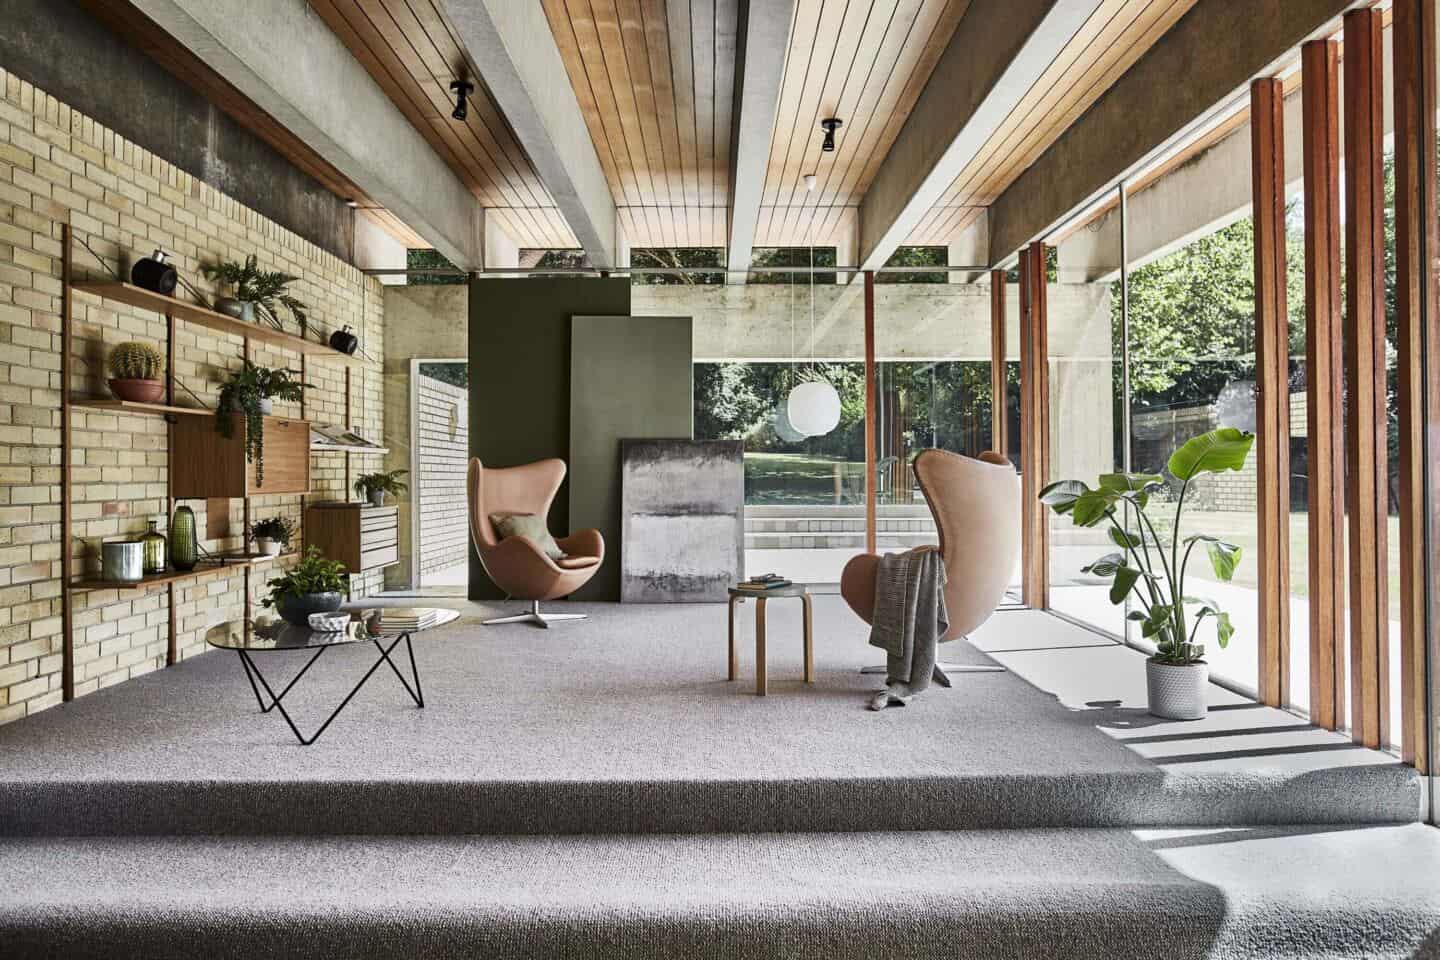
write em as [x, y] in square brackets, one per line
[1034, 428]
[1324, 377]
[1367, 489]
[1413, 40]
[1272, 388]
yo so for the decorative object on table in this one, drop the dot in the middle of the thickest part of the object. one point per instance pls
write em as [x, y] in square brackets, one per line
[974, 502]
[515, 564]
[272, 535]
[314, 585]
[682, 525]
[762, 598]
[762, 583]
[329, 622]
[250, 391]
[154, 543]
[136, 371]
[155, 273]
[257, 292]
[374, 486]
[1177, 674]
[405, 619]
[122, 561]
[345, 340]
[184, 542]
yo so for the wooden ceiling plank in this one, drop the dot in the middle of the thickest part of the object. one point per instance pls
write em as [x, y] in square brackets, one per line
[592, 54]
[629, 61]
[727, 16]
[682, 83]
[569, 48]
[657, 48]
[797, 60]
[703, 52]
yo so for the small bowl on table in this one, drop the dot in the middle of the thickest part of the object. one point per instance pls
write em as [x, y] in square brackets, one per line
[332, 622]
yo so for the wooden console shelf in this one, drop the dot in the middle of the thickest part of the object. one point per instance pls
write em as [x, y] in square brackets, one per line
[131, 406]
[234, 565]
[359, 536]
[200, 316]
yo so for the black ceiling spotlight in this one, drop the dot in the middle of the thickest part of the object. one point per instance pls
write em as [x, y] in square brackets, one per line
[463, 89]
[830, 125]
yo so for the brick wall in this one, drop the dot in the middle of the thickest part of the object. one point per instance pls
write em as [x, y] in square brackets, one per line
[57, 165]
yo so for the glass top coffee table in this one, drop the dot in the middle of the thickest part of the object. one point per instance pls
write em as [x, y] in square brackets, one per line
[248, 637]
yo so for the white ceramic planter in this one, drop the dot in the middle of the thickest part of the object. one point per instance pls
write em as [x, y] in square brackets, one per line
[1177, 692]
[267, 406]
[271, 548]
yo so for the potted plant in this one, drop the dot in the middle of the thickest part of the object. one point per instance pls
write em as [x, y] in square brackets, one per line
[135, 371]
[257, 291]
[1152, 568]
[374, 486]
[252, 390]
[272, 535]
[314, 585]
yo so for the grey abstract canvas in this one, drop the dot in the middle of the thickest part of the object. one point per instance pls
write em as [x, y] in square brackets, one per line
[682, 520]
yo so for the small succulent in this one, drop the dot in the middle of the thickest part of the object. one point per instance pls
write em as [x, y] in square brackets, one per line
[135, 361]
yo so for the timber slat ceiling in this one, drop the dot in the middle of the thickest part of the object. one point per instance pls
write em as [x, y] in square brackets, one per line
[1110, 43]
[655, 80]
[412, 52]
[865, 62]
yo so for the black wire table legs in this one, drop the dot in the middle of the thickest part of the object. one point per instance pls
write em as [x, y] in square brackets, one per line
[276, 700]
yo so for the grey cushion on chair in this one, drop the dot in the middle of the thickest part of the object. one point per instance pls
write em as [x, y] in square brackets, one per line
[529, 526]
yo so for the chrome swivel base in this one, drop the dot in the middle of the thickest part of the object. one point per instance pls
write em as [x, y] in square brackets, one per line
[537, 618]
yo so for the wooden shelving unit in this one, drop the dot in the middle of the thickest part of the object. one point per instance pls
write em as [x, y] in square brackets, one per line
[202, 317]
[225, 565]
[173, 310]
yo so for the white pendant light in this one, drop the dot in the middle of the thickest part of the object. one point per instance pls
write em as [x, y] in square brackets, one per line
[814, 407]
[784, 429]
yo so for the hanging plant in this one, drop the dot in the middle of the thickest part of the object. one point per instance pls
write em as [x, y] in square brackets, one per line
[250, 391]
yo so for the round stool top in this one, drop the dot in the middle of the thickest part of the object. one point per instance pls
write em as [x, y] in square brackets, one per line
[792, 590]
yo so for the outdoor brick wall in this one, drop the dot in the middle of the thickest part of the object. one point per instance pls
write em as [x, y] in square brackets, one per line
[57, 165]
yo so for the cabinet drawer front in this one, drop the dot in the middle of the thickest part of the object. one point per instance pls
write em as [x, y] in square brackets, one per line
[375, 539]
[370, 559]
[387, 522]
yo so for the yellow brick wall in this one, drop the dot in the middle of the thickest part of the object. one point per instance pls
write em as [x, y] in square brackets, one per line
[58, 166]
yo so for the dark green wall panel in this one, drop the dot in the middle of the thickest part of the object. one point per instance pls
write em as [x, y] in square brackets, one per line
[520, 376]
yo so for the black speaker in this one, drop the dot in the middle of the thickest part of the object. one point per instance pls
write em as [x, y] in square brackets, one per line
[153, 273]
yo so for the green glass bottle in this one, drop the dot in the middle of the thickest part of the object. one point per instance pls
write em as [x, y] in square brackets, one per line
[154, 542]
[184, 547]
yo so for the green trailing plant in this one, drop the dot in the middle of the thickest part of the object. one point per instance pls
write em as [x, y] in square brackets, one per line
[368, 483]
[313, 574]
[273, 528]
[135, 361]
[242, 394]
[264, 288]
[1149, 567]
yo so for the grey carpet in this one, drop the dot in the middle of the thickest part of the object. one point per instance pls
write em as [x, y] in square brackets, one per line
[1079, 894]
[626, 724]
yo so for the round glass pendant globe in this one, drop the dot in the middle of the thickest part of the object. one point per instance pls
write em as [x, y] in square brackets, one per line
[784, 429]
[814, 408]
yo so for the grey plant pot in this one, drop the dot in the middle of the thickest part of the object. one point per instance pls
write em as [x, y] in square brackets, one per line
[297, 610]
[239, 309]
[1177, 692]
[377, 498]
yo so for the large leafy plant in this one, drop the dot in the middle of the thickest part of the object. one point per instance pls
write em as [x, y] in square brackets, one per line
[264, 288]
[313, 574]
[242, 393]
[1148, 566]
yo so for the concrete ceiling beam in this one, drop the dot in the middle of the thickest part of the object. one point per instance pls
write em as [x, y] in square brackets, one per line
[997, 53]
[286, 60]
[763, 43]
[1198, 67]
[520, 65]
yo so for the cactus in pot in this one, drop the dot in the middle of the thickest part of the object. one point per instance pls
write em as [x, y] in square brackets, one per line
[136, 372]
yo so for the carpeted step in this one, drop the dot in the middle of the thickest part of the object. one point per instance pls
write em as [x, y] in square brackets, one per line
[1077, 894]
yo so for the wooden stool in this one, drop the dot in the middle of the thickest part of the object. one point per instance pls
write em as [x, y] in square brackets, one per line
[794, 590]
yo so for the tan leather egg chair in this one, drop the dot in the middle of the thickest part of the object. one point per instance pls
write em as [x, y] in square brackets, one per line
[516, 564]
[976, 506]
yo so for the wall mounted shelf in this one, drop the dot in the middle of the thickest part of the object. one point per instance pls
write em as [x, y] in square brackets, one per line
[131, 406]
[230, 564]
[201, 316]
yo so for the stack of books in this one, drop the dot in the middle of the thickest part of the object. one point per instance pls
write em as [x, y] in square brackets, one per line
[766, 581]
[408, 619]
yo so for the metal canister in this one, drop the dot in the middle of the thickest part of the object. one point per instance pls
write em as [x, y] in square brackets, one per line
[122, 561]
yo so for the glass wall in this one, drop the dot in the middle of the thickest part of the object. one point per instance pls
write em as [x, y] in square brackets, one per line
[1083, 299]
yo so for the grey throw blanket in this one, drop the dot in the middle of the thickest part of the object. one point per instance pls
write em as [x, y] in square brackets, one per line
[908, 622]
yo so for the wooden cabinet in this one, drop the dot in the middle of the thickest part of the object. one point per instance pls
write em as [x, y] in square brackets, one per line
[205, 463]
[359, 536]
